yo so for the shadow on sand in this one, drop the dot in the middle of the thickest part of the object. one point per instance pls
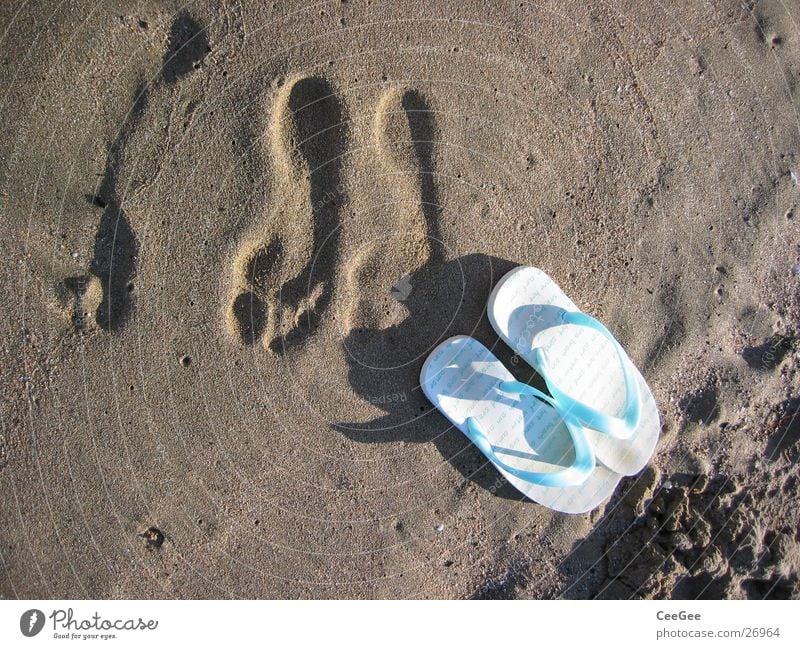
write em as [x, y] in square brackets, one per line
[446, 298]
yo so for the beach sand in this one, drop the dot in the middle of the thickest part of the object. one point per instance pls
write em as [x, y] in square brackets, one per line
[232, 233]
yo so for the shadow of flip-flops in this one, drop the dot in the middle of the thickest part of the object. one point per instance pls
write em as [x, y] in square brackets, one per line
[446, 298]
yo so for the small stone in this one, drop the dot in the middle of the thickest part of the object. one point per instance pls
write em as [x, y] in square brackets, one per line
[153, 538]
[439, 527]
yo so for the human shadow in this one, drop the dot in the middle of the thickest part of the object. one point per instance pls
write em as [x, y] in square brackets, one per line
[448, 297]
[116, 246]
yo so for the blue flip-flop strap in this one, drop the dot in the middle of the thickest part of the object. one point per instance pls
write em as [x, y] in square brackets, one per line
[617, 427]
[572, 476]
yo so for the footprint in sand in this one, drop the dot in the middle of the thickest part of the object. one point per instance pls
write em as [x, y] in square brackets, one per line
[283, 274]
[406, 237]
[103, 296]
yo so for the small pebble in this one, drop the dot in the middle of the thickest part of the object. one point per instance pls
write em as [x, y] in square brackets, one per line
[668, 484]
[439, 527]
[796, 270]
[153, 538]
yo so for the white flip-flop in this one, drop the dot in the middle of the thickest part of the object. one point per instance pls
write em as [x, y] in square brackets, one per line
[533, 442]
[586, 370]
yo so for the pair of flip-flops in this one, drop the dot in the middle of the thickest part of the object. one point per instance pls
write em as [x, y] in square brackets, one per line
[567, 449]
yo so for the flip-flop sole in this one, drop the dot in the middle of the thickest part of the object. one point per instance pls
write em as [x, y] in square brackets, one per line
[525, 310]
[460, 378]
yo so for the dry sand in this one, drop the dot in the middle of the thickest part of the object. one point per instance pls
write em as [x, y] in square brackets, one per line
[210, 356]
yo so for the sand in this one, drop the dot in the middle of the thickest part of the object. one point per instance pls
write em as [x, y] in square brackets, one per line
[232, 232]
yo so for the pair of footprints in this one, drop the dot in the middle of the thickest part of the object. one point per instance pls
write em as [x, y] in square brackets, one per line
[284, 277]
